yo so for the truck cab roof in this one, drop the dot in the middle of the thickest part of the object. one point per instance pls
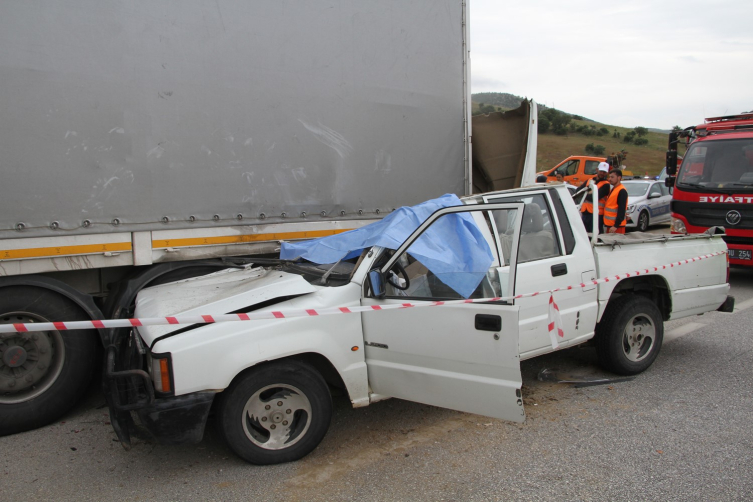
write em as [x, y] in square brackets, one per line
[726, 124]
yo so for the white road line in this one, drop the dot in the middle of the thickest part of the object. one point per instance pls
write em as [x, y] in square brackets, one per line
[682, 331]
[744, 305]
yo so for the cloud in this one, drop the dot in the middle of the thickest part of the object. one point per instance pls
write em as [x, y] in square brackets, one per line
[645, 63]
[689, 59]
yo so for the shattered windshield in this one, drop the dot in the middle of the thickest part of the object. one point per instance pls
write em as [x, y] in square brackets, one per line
[718, 164]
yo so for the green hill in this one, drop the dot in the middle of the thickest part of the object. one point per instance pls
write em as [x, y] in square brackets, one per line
[553, 148]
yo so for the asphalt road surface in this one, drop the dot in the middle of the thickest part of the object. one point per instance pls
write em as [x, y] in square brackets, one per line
[680, 431]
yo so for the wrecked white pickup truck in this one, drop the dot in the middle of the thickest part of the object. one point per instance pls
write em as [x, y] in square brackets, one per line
[268, 381]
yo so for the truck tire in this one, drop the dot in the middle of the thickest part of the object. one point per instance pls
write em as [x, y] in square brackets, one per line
[629, 335]
[276, 413]
[42, 374]
[642, 224]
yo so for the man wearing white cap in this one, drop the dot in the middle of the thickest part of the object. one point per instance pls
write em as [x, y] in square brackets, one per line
[587, 208]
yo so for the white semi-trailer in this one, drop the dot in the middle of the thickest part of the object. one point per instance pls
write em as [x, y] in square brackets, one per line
[143, 142]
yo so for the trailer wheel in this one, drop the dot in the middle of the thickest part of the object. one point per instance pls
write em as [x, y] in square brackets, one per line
[642, 224]
[42, 374]
[629, 335]
[277, 413]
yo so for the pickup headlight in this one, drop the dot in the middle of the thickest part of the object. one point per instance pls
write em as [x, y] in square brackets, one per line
[678, 226]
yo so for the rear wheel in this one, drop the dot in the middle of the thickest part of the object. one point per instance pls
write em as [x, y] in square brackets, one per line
[42, 374]
[276, 413]
[642, 225]
[629, 335]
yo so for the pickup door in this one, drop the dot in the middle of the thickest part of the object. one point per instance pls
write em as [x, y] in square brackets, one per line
[463, 357]
[550, 256]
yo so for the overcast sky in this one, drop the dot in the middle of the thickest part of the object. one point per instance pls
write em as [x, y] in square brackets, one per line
[654, 63]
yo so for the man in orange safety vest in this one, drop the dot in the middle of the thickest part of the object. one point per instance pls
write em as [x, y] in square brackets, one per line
[587, 208]
[616, 204]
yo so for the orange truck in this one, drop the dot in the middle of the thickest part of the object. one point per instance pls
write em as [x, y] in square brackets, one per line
[576, 169]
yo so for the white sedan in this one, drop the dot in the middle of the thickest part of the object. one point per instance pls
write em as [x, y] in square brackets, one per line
[648, 203]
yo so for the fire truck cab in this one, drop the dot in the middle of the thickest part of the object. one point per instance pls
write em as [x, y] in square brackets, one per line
[713, 187]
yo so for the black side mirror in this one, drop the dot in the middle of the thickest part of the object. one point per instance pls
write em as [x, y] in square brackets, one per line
[669, 182]
[671, 159]
[376, 282]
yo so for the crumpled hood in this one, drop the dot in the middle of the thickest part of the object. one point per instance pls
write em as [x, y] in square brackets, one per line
[222, 292]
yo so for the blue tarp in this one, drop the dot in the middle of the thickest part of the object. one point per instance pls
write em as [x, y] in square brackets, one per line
[452, 248]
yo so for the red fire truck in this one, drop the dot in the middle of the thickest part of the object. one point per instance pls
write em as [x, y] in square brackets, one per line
[714, 184]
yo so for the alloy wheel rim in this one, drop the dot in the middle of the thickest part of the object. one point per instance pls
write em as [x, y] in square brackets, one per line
[638, 338]
[276, 416]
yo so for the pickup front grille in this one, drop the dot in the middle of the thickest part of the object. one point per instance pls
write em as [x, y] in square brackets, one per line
[707, 214]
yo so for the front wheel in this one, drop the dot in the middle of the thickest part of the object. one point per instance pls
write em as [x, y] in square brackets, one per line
[276, 413]
[629, 335]
[642, 221]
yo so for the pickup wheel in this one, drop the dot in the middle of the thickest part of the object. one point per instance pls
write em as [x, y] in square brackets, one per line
[629, 336]
[277, 413]
[642, 224]
[42, 373]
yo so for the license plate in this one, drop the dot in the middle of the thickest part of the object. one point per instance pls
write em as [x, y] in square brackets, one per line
[739, 254]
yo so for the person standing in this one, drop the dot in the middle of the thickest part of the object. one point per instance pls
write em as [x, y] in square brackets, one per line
[616, 204]
[587, 208]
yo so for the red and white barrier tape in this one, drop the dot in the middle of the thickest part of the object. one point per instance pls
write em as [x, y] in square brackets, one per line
[254, 316]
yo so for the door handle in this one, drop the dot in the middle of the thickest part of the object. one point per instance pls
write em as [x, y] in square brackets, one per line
[559, 269]
[487, 322]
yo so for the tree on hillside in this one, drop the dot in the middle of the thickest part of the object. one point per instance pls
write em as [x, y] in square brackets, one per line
[483, 108]
[676, 128]
[640, 131]
[595, 149]
[559, 120]
[629, 137]
[544, 125]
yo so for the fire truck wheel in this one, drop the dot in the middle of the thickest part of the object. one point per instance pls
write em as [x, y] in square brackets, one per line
[44, 373]
[629, 335]
[276, 413]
